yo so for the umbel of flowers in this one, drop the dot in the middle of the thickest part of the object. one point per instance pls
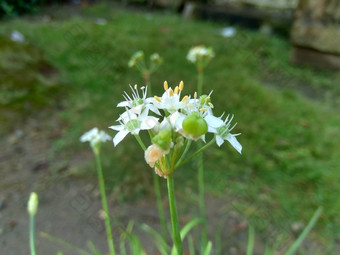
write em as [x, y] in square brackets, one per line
[173, 121]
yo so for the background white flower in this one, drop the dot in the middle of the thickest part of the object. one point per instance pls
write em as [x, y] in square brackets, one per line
[94, 137]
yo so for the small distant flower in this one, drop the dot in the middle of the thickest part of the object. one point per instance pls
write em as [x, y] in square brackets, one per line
[170, 100]
[16, 36]
[156, 58]
[95, 137]
[133, 123]
[222, 130]
[155, 62]
[200, 54]
[136, 58]
[32, 206]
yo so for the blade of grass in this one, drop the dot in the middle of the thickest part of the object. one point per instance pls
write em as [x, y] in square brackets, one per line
[158, 239]
[208, 248]
[251, 240]
[185, 230]
[293, 248]
[64, 243]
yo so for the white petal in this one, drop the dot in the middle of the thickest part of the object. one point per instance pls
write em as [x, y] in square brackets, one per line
[124, 104]
[119, 137]
[219, 140]
[117, 127]
[233, 141]
[153, 109]
[214, 121]
[137, 110]
[148, 123]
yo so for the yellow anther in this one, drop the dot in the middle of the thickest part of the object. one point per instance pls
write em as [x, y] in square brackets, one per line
[211, 105]
[181, 85]
[203, 109]
[166, 85]
[171, 92]
[184, 98]
[176, 90]
[157, 98]
[142, 88]
[195, 95]
[135, 86]
[207, 98]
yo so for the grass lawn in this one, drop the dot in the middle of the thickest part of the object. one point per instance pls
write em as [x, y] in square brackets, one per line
[290, 162]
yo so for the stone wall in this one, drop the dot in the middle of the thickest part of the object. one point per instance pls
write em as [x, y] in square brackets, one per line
[316, 33]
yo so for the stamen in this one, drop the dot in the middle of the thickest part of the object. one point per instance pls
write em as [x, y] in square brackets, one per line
[207, 98]
[181, 85]
[142, 88]
[135, 86]
[176, 90]
[195, 95]
[166, 85]
[171, 93]
[203, 109]
[158, 99]
[211, 105]
[184, 98]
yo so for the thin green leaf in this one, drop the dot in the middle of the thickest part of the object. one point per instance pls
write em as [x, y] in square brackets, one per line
[251, 240]
[208, 248]
[293, 248]
[159, 241]
[64, 243]
[185, 230]
[93, 248]
[191, 245]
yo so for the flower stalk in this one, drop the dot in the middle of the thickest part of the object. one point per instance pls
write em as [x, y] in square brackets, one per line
[174, 217]
[105, 206]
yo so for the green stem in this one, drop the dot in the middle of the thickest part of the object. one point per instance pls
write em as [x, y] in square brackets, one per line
[200, 83]
[196, 153]
[174, 218]
[139, 140]
[157, 192]
[32, 242]
[105, 207]
[159, 205]
[184, 153]
[201, 192]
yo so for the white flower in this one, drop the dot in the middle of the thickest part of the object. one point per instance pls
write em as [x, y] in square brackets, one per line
[136, 58]
[94, 136]
[170, 99]
[133, 123]
[222, 130]
[198, 53]
[137, 102]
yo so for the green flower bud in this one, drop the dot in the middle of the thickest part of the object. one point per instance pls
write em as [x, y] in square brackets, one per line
[163, 139]
[204, 99]
[195, 125]
[32, 206]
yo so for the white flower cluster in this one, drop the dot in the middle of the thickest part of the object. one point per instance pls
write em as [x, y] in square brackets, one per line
[185, 116]
[200, 54]
[95, 137]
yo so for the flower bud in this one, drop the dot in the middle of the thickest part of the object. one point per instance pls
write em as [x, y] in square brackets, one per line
[194, 125]
[32, 206]
[163, 139]
[204, 99]
[152, 154]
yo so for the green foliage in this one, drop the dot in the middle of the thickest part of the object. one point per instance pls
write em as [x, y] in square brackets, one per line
[12, 8]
